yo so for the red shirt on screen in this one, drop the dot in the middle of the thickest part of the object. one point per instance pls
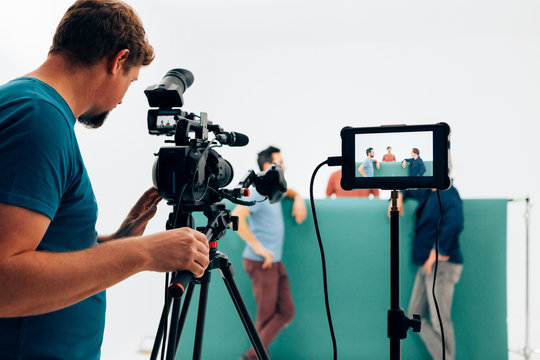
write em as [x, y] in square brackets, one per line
[389, 157]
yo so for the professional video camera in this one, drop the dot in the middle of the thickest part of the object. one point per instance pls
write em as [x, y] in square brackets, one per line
[192, 172]
[191, 176]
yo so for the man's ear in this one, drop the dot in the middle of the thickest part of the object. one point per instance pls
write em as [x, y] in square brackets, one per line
[119, 61]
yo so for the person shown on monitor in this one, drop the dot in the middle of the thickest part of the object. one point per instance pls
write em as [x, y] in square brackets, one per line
[389, 157]
[366, 169]
[416, 164]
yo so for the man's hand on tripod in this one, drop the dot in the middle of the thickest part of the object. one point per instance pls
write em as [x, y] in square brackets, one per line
[176, 250]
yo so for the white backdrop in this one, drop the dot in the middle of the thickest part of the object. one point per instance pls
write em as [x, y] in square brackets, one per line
[292, 74]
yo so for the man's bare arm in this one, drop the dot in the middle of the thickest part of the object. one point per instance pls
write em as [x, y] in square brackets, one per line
[361, 170]
[299, 210]
[35, 282]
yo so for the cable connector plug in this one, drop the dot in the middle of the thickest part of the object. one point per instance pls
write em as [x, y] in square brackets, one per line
[335, 161]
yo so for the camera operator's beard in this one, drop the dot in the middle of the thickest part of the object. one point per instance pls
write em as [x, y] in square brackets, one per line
[93, 121]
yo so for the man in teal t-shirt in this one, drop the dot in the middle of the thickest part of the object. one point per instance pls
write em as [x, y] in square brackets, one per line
[53, 273]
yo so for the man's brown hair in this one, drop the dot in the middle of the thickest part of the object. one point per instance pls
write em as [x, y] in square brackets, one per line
[95, 29]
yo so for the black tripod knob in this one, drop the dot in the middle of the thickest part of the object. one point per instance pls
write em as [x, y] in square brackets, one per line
[415, 323]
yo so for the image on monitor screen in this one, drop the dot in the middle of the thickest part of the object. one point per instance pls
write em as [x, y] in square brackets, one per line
[399, 154]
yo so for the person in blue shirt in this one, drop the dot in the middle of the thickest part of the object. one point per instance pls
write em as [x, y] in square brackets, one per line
[416, 164]
[366, 169]
[450, 264]
[263, 253]
[54, 267]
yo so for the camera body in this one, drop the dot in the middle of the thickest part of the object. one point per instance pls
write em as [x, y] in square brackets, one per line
[191, 173]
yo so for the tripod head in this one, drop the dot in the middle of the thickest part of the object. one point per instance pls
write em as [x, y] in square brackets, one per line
[219, 220]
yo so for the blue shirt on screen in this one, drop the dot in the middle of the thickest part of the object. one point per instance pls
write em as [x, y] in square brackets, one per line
[368, 167]
[42, 170]
[266, 223]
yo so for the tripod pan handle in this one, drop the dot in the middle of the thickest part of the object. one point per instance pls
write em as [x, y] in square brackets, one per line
[179, 283]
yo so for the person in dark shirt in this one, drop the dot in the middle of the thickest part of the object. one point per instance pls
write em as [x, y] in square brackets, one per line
[417, 167]
[449, 268]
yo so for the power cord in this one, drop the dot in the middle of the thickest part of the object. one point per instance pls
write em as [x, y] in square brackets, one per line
[331, 161]
[435, 275]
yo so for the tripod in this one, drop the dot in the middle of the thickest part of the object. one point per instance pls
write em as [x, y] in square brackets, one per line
[398, 322]
[219, 220]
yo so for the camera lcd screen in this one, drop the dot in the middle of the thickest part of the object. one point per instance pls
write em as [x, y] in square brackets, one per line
[396, 157]
[162, 121]
[165, 121]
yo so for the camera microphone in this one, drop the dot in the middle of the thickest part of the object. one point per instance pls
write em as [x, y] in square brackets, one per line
[232, 138]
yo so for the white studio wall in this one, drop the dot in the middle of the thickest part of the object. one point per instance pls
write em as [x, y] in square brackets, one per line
[292, 74]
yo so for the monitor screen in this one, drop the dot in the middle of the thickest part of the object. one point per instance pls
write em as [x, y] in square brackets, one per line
[396, 157]
[394, 154]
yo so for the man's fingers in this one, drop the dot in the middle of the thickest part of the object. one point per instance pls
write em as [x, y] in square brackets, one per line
[267, 264]
[155, 199]
[197, 270]
[200, 237]
[150, 198]
[149, 213]
[151, 201]
[300, 215]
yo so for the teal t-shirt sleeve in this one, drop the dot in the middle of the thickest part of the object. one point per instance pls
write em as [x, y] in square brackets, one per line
[35, 157]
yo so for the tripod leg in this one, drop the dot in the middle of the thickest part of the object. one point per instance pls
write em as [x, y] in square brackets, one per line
[177, 327]
[183, 314]
[171, 343]
[240, 305]
[201, 316]
[159, 334]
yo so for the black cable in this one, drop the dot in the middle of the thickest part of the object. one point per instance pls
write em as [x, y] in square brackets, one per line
[167, 299]
[323, 261]
[196, 172]
[435, 275]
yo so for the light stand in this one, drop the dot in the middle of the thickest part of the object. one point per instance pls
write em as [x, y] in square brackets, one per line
[398, 322]
[526, 351]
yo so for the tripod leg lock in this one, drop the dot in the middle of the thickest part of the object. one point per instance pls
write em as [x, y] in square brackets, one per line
[399, 323]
